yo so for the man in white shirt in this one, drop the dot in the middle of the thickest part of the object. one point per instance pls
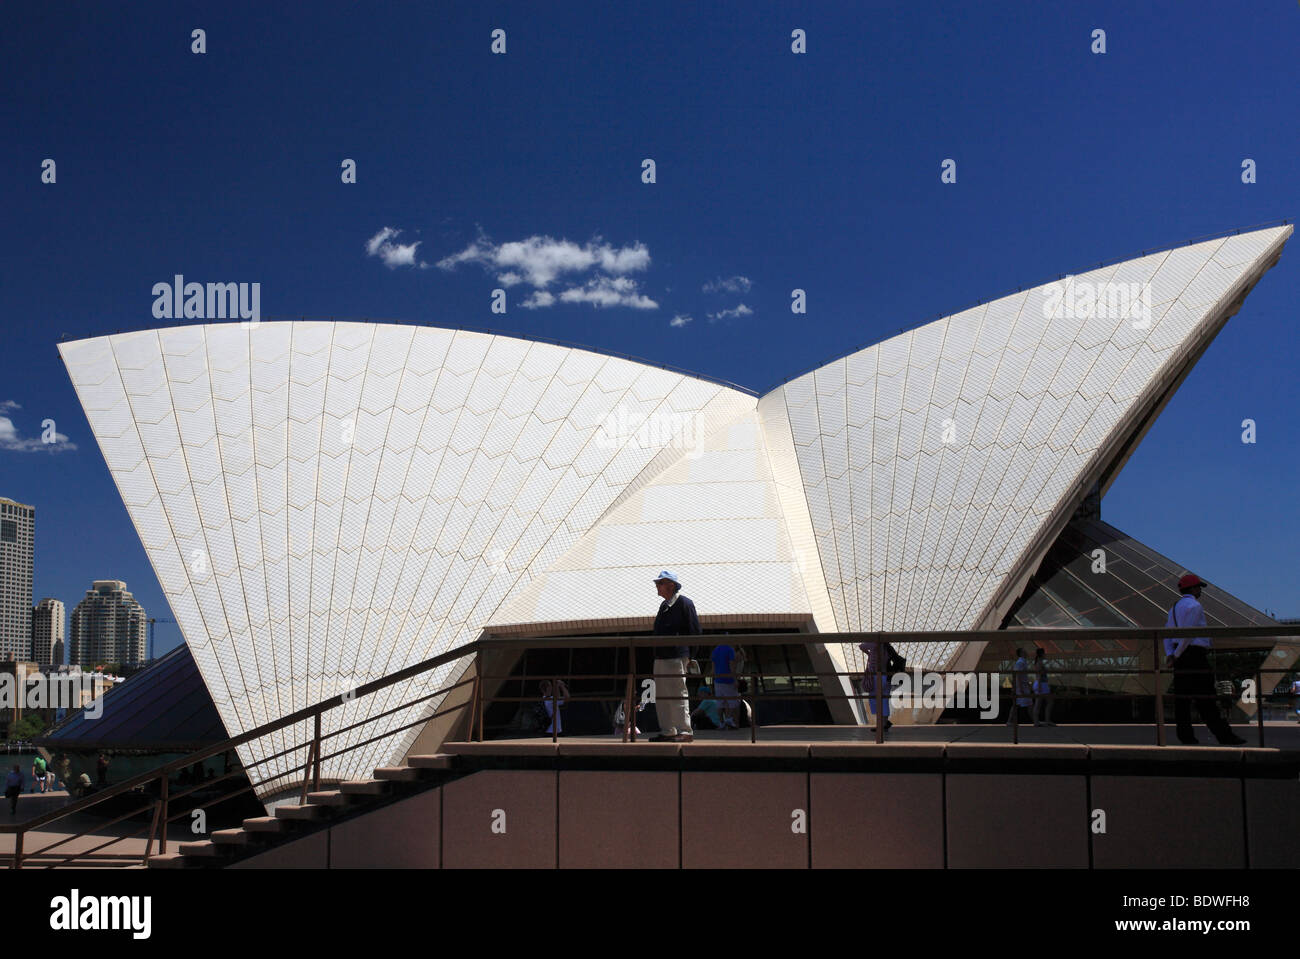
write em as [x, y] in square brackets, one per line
[1190, 660]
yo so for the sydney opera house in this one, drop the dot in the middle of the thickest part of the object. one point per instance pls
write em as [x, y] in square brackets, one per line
[325, 503]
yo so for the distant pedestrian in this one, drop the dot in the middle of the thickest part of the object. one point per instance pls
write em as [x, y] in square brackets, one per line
[1042, 688]
[552, 699]
[726, 663]
[101, 769]
[1190, 660]
[1021, 686]
[14, 788]
[879, 698]
[64, 767]
[676, 617]
[39, 779]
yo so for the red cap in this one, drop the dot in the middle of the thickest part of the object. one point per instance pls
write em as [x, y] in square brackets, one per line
[1190, 580]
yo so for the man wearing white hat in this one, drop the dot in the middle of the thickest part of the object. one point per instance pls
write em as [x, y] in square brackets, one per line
[676, 617]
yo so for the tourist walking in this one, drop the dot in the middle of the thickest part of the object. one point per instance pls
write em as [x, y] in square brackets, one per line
[1042, 689]
[676, 617]
[1190, 659]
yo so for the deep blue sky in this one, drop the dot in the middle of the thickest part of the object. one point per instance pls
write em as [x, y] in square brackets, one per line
[818, 171]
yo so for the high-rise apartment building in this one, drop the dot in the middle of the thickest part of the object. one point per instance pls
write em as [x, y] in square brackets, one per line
[17, 536]
[47, 631]
[108, 626]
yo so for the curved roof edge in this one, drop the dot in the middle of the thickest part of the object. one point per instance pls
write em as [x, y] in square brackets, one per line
[382, 321]
[1253, 228]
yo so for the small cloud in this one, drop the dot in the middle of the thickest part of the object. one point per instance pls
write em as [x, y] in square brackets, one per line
[393, 254]
[741, 310]
[10, 440]
[541, 260]
[679, 320]
[734, 284]
[538, 300]
[609, 291]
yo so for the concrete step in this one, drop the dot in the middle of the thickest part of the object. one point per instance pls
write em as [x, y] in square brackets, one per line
[307, 812]
[329, 797]
[263, 824]
[433, 761]
[203, 849]
[172, 860]
[364, 787]
[403, 774]
[231, 837]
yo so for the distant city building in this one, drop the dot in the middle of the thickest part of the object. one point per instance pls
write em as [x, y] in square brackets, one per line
[48, 621]
[108, 626]
[17, 535]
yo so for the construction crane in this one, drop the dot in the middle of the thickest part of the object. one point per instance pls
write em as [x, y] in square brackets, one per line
[151, 621]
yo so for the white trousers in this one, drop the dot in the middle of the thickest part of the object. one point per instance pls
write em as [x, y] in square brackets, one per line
[670, 697]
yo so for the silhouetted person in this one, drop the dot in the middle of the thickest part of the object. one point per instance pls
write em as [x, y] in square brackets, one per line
[1042, 688]
[879, 698]
[14, 788]
[1020, 686]
[1190, 659]
[101, 769]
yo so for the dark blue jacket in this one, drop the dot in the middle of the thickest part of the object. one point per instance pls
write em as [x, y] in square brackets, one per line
[679, 619]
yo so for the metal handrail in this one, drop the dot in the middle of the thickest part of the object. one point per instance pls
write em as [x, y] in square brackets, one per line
[476, 704]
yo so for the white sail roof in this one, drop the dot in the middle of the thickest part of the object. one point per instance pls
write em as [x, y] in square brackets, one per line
[325, 503]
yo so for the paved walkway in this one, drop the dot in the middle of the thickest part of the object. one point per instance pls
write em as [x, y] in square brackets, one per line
[1277, 735]
[125, 852]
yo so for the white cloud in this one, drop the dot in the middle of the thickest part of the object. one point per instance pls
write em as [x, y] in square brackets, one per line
[735, 284]
[10, 440]
[609, 291]
[539, 299]
[741, 310]
[541, 260]
[393, 254]
[681, 319]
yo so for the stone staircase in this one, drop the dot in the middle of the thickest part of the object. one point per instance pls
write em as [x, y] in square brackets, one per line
[291, 822]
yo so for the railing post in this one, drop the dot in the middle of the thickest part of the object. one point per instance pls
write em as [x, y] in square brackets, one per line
[153, 829]
[473, 707]
[315, 772]
[875, 691]
[482, 695]
[629, 707]
[162, 839]
[1160, 692]
[306, 774]
[1259, 704]
[18, 849]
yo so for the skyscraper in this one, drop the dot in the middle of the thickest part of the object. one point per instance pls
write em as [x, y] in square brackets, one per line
[17, 535]
[108, 626]
[47, 631]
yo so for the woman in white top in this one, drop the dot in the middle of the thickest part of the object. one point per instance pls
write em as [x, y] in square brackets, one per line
[1042, 690]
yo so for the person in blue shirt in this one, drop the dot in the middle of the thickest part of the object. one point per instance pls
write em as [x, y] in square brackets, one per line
[724, 685]
[14, 788]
